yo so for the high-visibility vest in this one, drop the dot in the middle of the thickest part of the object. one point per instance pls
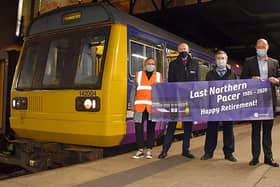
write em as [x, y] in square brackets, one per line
[143, 96]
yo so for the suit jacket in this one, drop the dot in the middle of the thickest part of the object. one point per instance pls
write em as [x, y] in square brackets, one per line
[251, 68]
[213, 75]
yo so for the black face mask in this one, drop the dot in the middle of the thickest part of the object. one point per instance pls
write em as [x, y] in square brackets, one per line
[183, 54]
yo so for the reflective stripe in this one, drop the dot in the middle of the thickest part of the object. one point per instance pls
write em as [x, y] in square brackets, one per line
[139, 78]
[146, 102]
[144, 88]
[158, 76]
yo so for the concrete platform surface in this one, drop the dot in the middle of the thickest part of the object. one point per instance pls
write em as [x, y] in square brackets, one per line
[175, 170]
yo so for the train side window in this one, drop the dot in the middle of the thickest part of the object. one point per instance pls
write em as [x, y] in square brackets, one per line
[29, 62]
[139, 52]
[89, 63]
[137, 57]
[56, 61]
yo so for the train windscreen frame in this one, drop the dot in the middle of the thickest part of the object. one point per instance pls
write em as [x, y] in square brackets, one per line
[57, 61]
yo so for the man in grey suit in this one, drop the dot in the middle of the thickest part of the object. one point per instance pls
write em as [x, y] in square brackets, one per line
[262, 67]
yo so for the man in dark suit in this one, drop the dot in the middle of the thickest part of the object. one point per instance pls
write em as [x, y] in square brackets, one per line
[262, 67]
[221, 72]
[183, 69]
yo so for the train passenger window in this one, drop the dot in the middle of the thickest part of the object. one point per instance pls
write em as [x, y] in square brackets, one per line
[139, 52]
[89, 62]
[30, 59]
[55, 62]
[137, 57]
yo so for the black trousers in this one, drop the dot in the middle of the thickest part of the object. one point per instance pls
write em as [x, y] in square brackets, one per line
[266, 139]
[139, 130]
[212, 136]
[186, 137]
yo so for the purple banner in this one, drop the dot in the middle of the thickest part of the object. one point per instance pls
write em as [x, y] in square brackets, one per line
[225, 100]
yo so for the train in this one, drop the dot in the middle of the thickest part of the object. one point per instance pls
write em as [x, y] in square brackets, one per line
[69, 98]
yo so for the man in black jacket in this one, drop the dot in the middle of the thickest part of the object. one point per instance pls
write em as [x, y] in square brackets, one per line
[221, 72]
[262, 67]
[183, 69]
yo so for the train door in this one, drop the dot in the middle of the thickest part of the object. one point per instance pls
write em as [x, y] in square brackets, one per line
[8, 61]
[3, 72]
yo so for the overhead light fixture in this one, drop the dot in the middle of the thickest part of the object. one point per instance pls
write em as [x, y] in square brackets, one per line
[139, 56]
[19, 16]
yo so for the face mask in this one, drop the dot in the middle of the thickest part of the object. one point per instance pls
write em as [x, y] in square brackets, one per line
[150, 68]
[261, 52]
[221, 63]
[183, 54]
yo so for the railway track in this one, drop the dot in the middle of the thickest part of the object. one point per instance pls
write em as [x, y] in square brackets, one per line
[10, 171]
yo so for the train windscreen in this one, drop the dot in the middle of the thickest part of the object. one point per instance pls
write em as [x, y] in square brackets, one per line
[64, 60]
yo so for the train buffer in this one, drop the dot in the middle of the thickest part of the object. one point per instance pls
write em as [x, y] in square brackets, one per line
[175, 170]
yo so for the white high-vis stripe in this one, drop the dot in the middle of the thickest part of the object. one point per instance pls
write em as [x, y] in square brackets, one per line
[158, 76]
[144, 88]
[145, 102]
[139, 78]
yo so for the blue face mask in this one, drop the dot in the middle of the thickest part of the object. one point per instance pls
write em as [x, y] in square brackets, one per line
[150, 68]
[221, 63]
[261, 52]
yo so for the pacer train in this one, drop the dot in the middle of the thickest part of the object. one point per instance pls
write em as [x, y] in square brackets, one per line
[69, 96]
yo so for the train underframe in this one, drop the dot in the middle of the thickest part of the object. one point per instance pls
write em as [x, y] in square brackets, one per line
[37, 156]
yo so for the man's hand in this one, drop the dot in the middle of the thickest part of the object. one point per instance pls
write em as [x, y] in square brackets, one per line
[273, 80]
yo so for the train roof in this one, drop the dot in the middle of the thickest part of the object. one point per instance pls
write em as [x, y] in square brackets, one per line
[97, 13]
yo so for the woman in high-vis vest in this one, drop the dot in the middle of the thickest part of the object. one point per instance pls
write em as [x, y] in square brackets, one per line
[142, 106]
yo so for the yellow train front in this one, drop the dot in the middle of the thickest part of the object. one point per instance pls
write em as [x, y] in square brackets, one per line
[72, 83]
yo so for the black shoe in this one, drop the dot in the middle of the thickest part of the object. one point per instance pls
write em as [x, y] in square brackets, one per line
[254, 162]
[230, 158]
[271, 162]
[162, 155]
[206, 156]
[188, 155]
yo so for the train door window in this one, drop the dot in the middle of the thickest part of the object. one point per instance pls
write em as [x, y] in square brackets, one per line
[159, 58]
[56, 60]
[139, 52]
[89, 61]
[28, 67]
[170, 56]
[204, 67]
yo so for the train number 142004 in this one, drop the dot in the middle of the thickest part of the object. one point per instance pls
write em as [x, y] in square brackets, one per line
[87, 93]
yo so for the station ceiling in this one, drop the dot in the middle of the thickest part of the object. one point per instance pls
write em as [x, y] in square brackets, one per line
[230, 25]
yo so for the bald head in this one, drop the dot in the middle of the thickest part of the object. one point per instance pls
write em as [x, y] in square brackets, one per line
[183, 47]
[262, 44]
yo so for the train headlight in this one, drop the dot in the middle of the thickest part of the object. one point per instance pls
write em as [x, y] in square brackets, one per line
[19, 103]
[88, 104]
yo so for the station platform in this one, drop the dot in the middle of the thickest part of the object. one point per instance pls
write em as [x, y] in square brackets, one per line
[175, 170]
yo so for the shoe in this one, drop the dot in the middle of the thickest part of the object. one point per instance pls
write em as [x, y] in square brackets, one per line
[271, 162]
[162, 155]
[254, 162]
[188, 155]
[139, 154]
[149, 154]
[230, 158]
[206, 156]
